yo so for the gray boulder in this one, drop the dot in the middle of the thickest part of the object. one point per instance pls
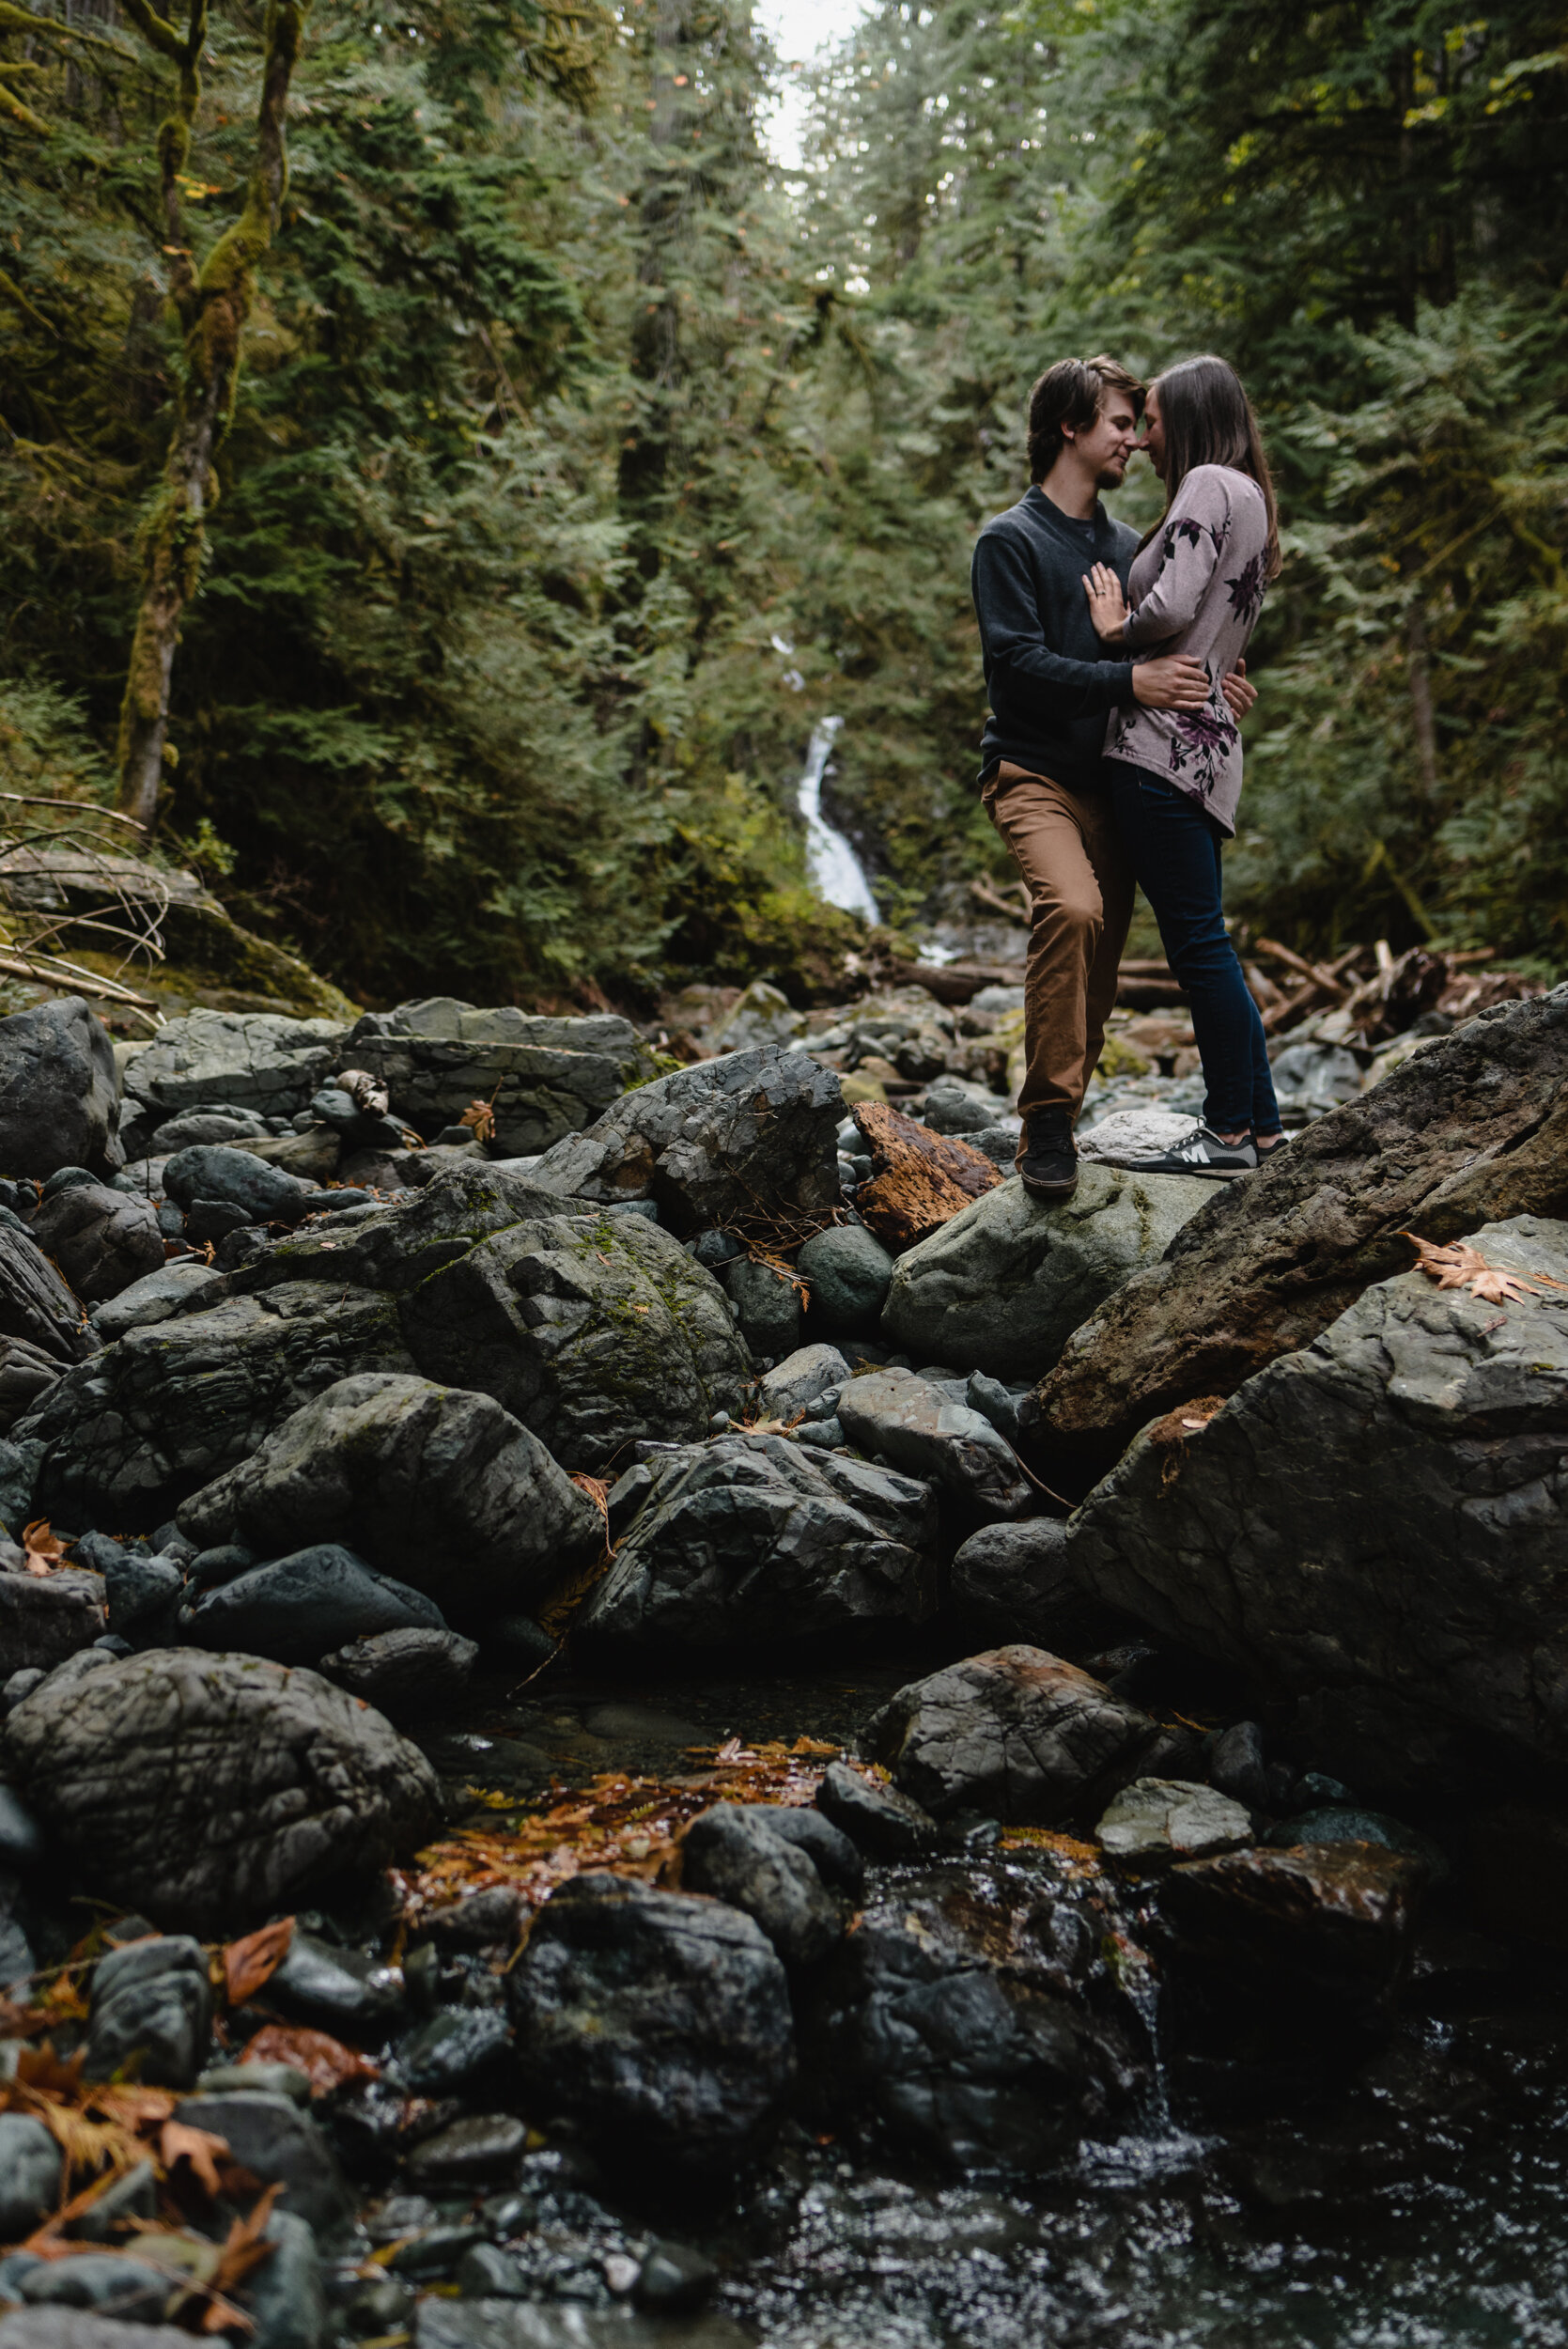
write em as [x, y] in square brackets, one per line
[262, 1061]
[658, 2023]
[1376, 1524]
[750, 1541]
[169, 1289]
[1016, 1734]
[235, 1178]
[151, 2000]
[746, 1142]
[296, 1610]
[59, 1101]
[1156, 1822]
[206, 1791]
[766, 1305]
[26, 1375]
[36, 1304]
[30, 2163]
[404, 1674]
[1331, 1923]
[172, 1404]
[877, 1818]
[101, 1239]
[214, 1123]
[81, 2328]
[1012, 1581]
[733, 1852]
[849, 1272]
[268, 2136]
[1003, 1285]
[545, 1077]
[799, 1379]
[915, 1426]
[45, 1618]
[396, 1247]
[594, 1330]
[434, 1485]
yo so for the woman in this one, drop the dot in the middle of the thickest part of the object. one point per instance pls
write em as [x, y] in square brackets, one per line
[1196, 586]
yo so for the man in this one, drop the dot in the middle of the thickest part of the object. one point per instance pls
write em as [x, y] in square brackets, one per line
[1051, 687]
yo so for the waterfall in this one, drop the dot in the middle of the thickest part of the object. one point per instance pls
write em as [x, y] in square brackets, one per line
[834, 867]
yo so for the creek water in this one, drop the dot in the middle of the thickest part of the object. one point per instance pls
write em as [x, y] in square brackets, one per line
[1407, 2189]
[835, 871]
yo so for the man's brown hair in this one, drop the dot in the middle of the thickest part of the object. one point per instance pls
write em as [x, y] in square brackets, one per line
[1071, 393]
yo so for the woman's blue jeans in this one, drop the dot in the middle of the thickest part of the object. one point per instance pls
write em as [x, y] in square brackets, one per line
[1173, 847]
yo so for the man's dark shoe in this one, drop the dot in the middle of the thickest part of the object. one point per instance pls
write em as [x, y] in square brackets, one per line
[1049, 1167]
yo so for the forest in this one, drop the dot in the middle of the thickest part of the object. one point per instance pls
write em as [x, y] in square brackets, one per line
[447, 467]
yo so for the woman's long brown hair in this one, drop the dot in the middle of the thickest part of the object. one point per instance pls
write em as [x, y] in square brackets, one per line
[1209, 420]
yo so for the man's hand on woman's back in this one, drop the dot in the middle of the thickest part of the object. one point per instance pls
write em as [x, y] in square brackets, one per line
[1175, 681]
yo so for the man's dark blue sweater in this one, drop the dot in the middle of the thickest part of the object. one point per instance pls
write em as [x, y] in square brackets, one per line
[1048, 678]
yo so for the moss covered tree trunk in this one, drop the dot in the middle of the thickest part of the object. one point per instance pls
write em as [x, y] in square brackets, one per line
[212, 305]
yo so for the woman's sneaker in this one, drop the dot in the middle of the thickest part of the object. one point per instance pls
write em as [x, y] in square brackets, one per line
[1201, 1152]
[1048, 1164]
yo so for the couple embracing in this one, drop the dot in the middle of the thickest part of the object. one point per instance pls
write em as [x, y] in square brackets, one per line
[1116, 677]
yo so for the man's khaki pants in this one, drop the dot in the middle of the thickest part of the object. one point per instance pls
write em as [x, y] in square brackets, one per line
[1081, 886]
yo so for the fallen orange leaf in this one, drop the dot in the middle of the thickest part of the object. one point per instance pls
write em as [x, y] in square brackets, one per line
[325, 2061]
[179, 2142]
[253, 1961]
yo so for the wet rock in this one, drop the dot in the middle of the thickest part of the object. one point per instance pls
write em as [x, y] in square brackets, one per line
[58, 1097]
[485, 2272]
[849, 1272]
[211, 1789]
[719, 1144]
[36, 1304]
[101, 1239]
[938, 2020]
[484, 1920]
[767, 1306]
[1391, 1560]
[235, 1178]
[592, 1329]
[284, 2295]
[658, 2023]
[1002, 1286]
[674, 2279]
[732, 1852]
[785, 1391]
[446, 2056]
[338, 1990]
[750, 1540]
[404, 1674]
[297, 1608]
[30, 2164]
[276, 2142]
[150, 2000]
[82, 2328]
[129, 2290]
[1331, 1921]
[834, 1854]
[877, 1820]
[26, 1374]
[142, 1593]
[1012, 1583]
[260, 1061]
[440, 1488]
[1471, 1133]
[44, 1618]
[1156, 1822]
[505, 2323]
[1015, 1734]
[1240, 1766]
[545, 1077]
[167, 1408]
[1351, 1823]
[481, 2147]
[916, 1427]
[174, 1288]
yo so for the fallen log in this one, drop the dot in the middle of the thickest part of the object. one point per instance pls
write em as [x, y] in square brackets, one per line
[919, 1179]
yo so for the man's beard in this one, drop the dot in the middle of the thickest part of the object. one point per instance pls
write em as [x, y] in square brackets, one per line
[1112, 477]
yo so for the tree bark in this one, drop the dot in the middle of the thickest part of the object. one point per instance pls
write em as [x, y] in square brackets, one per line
[212, 307]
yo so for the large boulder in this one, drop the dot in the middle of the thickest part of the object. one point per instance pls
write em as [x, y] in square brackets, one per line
[950, 2021]
[658, 2022]
[544, 1078]
[229, 1178]
[747, 1143]
[262, 1061]
[101, 1239]
[1331, 1921]
[45, 1618]
[753, 1541]
[1016, 1734]
[298, 1609]
[59, 1103]
[35, 1304]
[396, 1247]
[1013, 1583]
[172, 1404]
[1003, 1285]
[1377, 1524]
[1472, 1130]
[436, 1486]
[205, 1791]
[592, 1329]
[916, 1427]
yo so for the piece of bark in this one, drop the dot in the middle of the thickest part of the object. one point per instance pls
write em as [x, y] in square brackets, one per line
[921, 1179]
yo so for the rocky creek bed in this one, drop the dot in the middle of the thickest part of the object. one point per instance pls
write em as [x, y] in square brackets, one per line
[571, 1774]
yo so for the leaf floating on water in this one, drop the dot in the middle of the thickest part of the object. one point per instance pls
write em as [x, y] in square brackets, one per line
[250, 1963]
